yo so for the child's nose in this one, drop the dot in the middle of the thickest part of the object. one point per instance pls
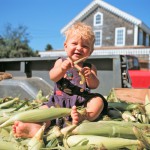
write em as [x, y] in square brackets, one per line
[79, 47]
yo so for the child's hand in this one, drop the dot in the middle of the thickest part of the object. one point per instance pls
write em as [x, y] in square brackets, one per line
[86, 71]
[66, 64]
[75, 115]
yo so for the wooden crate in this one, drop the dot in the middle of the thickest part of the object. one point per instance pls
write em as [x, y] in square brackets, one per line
[128, 95]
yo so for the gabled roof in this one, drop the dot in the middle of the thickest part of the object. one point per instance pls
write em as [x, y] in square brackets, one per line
[109, 8]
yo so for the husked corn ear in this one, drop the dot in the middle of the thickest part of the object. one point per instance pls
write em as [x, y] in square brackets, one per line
[38, 115]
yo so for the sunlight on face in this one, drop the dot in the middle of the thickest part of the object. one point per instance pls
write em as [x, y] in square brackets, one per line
[77, 47]
[82, 31]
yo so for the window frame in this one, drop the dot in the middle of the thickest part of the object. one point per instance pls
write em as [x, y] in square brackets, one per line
[147, 40]
[123, 36]
[100, 38]
[141, 36]
[95, 19]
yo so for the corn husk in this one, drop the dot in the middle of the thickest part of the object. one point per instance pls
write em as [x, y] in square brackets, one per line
[9, 103]
[38, 115]
[110, 129]
[127, 116]
[4, 145]
[103, 142]
[7, 110]
[123, 106]
[105, 129]
[147, 105]
[37, 142]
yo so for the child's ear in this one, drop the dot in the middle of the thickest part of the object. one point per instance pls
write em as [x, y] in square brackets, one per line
[65, 45]
[91, 52]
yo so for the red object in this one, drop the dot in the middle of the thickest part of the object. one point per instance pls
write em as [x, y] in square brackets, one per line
[140, 78]
[59, 93]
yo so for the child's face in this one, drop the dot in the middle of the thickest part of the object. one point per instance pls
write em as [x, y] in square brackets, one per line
[76, 47]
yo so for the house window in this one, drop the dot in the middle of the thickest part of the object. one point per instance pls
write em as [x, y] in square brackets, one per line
[120, 36]
[98, 19]
[147, 40]
[140, 37]
[98, 38]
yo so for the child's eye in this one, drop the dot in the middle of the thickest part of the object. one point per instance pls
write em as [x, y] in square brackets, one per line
[85, 46]
[74, 43]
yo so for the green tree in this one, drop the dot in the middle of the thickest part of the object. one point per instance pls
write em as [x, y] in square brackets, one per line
[14, 42]
[48, 47]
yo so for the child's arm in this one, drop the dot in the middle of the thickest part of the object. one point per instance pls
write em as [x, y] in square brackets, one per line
[59, 69]
[91, 77]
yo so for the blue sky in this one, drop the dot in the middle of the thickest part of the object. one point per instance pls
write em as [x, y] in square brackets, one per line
[45, 18]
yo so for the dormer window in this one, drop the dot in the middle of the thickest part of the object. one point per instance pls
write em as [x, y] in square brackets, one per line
[98, 19]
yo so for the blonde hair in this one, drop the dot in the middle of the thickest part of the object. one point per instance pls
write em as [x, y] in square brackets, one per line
[84, 31]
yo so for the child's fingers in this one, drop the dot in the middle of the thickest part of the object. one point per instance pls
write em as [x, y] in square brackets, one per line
[16, 123]
[75, 121]
[75, 115]
[74, 108]
[14, 129]
[87, 72]
[71, 62]
[14, 126]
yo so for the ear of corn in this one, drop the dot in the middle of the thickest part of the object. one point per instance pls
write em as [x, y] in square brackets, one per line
[9, 103]
[140, 136]
[4, 133]
[2, 111]
[127, 116]
[37, 142]
[54, 144]
[147, 105]
[56, 132]
[38, 115]
[84, 147]
[123, 106]
[103, 142]
[104, 129]
[122, 134]
[3, 119]
[110, 129]
[11, 146]
[22, 105]
[53, 133]
[39, 95]
[143, 118]
[123, 123]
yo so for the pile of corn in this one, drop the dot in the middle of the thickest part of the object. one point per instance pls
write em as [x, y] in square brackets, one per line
[126, 127]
